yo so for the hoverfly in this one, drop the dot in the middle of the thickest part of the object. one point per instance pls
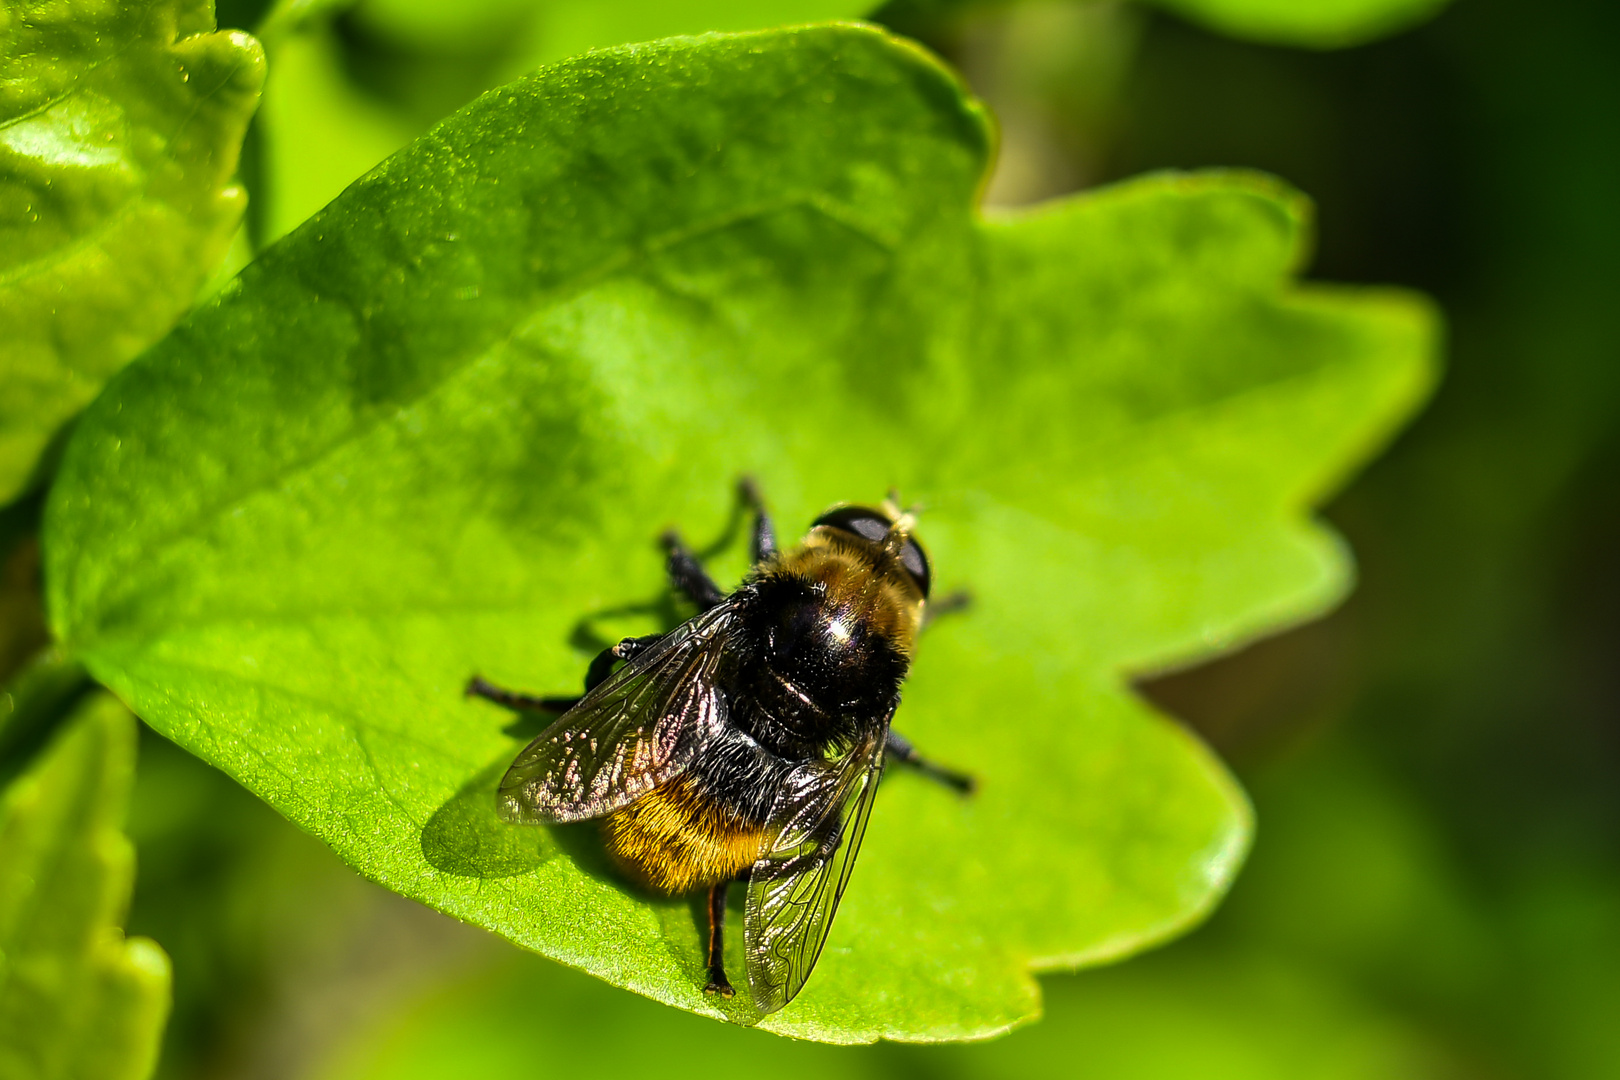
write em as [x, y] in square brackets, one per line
[746, 744]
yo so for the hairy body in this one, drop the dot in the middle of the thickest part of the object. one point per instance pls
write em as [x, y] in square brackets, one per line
[745, 745]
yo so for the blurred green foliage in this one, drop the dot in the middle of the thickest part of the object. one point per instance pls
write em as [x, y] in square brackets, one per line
[77, 999]
[1471, 679]
[1233, 1018]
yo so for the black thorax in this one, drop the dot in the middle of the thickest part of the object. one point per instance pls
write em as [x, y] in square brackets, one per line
[809, 677]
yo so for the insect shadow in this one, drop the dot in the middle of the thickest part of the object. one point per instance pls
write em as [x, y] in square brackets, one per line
[466, 837]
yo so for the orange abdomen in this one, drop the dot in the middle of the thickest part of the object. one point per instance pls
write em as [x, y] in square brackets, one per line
[675, 839]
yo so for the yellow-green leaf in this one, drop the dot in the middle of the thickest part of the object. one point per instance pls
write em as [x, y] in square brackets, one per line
[435, 431]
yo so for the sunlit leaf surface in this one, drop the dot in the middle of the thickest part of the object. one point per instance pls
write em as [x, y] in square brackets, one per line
[435, 431]
[119, 130]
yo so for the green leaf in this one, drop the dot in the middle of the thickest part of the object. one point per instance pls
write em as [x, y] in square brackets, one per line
[1319, 24]
[435, 431]
[78, 1001]
[119, 130]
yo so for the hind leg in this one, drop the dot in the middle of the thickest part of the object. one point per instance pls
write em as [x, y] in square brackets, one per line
[718, 983]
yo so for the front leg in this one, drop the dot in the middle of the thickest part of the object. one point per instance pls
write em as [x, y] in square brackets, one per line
[949, 604]
[763, 545]
[688, 575]
[600, 669]
[628, 649]
[899, 749]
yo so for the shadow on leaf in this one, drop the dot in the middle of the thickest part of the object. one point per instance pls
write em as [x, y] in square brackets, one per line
[465, 837]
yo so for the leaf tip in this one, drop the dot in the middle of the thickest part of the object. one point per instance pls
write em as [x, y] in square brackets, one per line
[147, 961]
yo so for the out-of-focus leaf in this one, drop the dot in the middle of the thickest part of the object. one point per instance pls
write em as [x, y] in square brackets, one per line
[1217, 1017]
[119, 131]
[33, 699]
[322, 129]
[1354, 877]
[318, 130]
[78, 1001]
[22, 609]
[552, 31]
[260, 921]
[1319, 24]
[435, 430]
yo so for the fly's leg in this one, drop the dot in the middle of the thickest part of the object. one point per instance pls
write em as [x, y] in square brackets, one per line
[686, 572]
[602, 666]
[688, 575]
[718, 983]
[478, 686]
[764, 539]
[899, 749]
[949, 604]
[600, 669]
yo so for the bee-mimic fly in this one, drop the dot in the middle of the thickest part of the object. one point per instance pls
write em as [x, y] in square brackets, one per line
[746, 744]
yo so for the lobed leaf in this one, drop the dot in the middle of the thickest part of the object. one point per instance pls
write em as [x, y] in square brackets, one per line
[435, 431]
[119, 130]
[78, 1001]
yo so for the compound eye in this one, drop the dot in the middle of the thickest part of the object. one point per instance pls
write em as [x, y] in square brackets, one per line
[873, 525]
[863, 521]
[916, 564]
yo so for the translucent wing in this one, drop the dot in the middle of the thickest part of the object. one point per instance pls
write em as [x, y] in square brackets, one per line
[817, 821]
[638, 728]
